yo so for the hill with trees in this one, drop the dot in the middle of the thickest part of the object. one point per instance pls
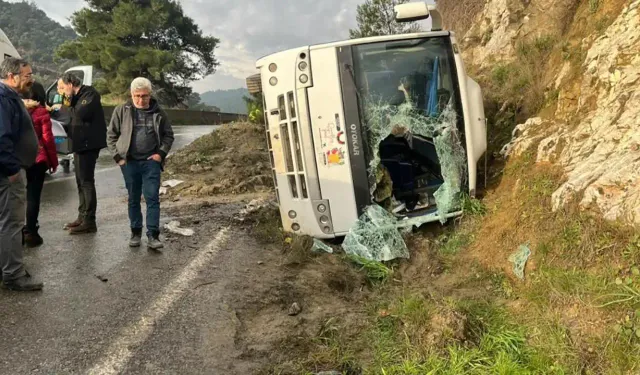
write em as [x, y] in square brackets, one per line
[36, 37]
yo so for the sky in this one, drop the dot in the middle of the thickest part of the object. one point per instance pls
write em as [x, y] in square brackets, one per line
[249, 29]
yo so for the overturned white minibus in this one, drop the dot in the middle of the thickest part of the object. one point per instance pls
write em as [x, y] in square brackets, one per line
[392, 120]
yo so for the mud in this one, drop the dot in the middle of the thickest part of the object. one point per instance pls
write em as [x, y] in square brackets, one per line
[267, 278]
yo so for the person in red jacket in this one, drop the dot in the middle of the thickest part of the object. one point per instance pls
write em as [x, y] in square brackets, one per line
[47, 160]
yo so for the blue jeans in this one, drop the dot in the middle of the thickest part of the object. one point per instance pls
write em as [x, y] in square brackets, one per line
[143, 177]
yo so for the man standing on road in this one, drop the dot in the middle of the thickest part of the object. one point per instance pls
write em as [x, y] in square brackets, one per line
[88, 134]
[18, 151]
[139, 138]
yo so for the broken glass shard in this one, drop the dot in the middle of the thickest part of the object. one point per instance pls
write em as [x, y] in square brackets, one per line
[375, 236]
[519, 260]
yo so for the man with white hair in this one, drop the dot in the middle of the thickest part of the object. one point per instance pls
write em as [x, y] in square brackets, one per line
[139, 137]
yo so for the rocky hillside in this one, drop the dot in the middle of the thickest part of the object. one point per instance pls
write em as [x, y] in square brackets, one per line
[36, 37]
[576, 107]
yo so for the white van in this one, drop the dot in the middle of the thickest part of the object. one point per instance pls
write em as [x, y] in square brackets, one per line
[6, 48]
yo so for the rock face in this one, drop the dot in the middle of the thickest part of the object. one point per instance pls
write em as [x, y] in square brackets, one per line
[503, 23]
[595, 133]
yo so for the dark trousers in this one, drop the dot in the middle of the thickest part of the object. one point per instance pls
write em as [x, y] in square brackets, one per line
[142, 177]
[35, 182]
[85, 168]
[12, 200]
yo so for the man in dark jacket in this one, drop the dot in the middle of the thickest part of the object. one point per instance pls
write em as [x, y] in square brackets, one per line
[88, 134]
[139, 138]
[18, 150]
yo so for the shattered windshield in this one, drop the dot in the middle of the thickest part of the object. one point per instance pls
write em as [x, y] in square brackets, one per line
[408, 98]
[409, 106]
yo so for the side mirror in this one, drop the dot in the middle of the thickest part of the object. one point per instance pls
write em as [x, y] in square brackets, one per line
[417, 11]
[478, 128]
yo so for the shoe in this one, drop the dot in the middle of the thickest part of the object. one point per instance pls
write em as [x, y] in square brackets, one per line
[136, 238]
[155, 243]
[22, 284]
[83, 228]
[26, 274]
[73, 224]
[32, 239]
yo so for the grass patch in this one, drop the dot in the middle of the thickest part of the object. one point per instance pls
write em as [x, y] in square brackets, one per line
[516, 90]
[492, 344]
[581, 277]
[473, 206]
[453, 243]
[376, 272]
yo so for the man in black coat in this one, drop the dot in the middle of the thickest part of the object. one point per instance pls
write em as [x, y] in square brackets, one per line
[88, 134]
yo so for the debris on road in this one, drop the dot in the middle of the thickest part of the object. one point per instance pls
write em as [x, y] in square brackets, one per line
[174, 227]
[172, 183]
[102, 278]
[295, 309]
[169, 184]
[253, 206]
[519, 260]
[319, 246]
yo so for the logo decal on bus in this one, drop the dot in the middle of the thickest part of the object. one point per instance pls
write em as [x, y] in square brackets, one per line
[355, 140]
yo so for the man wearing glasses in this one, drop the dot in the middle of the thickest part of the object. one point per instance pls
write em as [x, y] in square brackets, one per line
[18, 151]
[88, 134]
[139, 137]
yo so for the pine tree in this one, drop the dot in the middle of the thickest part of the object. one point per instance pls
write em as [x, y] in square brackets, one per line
[377, 17]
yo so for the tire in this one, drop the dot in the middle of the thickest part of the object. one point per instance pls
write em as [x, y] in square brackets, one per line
[66, 166]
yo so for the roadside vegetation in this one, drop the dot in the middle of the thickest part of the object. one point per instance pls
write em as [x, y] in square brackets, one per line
[457, 307]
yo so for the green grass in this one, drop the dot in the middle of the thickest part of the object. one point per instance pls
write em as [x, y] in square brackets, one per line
[454, 242]
[376, 272]
[473, 206]
[563, 284]
[495, 345]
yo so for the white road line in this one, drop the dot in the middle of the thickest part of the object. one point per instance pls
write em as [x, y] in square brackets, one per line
[74, 177]
[120, 352]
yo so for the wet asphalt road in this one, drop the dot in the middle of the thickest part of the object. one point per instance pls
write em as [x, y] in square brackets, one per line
[82, 324]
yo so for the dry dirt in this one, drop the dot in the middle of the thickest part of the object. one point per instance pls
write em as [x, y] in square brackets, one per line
[231, 160]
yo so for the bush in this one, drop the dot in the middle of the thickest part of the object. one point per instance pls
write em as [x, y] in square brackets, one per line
[459, 15]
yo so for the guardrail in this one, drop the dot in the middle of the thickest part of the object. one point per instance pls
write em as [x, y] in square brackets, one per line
[190, 117]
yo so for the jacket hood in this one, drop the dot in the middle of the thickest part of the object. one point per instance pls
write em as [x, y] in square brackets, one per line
[8, 92]
[154, 107]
